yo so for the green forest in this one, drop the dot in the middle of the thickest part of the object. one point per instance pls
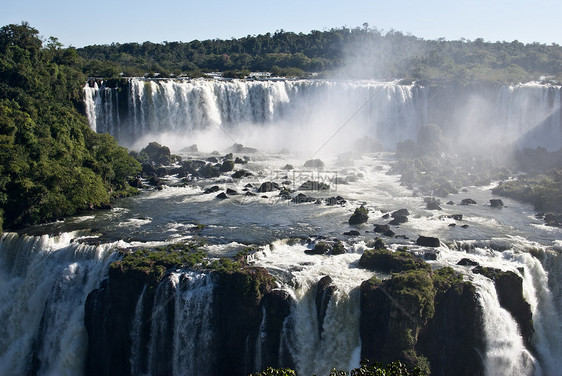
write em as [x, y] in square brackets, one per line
[344, 52]
[51, 163]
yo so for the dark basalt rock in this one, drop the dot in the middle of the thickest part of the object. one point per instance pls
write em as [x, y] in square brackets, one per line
[467, 262]
[239, 160]
[389, 233]
[457, 217]
[416, 315]
[450, 203]
[433, 204]
[241, 174]
[359, 216]
[400, 213]
[222, 196]
[320, 248]
[398, 220]
[268, 186]
[227, 166]
[228, 156]
[209, 171]
[314, 186]
[496, 203]
[301, 198]
[338, 248]
[155, 181]
[288, 167]
[157, 154]
[386, 261]
[427, 241]
[275, 352]
[212, 159]
[148, 169]
[381, 228]
[468, 201]
[213, 189]
[314, 163]
[324, 292]
[231, 192]
[352, 233]
[161, 172]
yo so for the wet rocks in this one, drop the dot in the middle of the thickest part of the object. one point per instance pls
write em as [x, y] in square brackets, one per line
[314, 186]
[398, 220]
[496, 203]
[359, 216]
[268, 186]
[241, 174]
[213, 189]
[314, 163]
[222, 196]
[227, 166]
[327, 247]
[468, 201]
[433, 203]
[427, 241]
[467, 262]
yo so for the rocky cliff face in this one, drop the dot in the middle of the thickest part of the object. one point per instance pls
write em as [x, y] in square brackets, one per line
[151, 317]
[241, 305]
[415, 318]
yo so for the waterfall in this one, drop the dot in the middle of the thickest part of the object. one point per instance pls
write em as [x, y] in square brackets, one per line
[527, 114]
[505, 351]
[305, 107]
[182, 331]
[547, 317]
[531, 112]
[44, 282]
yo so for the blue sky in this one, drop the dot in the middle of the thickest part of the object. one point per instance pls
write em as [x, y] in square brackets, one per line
[80, 23]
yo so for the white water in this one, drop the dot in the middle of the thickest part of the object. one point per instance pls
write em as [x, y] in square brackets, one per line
[44, 282]
[283, 113]
[505, 353]
[337, 345]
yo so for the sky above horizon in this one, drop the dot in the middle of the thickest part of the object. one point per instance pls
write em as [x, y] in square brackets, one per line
[103, 22]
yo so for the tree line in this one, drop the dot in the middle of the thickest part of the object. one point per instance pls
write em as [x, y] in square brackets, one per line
[351, 52]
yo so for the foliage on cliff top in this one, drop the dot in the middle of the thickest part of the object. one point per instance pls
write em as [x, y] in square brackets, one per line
[51, 163]
[388, 261]
[365, 52]
[544, 191]
[376, 369]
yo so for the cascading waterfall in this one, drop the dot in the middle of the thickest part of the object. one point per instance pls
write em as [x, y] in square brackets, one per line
[505, 352]
[182, 331]
[533, 112]
[317, 348]
[527, 114]
[547, 317]
[44, 282]
[187, 106]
